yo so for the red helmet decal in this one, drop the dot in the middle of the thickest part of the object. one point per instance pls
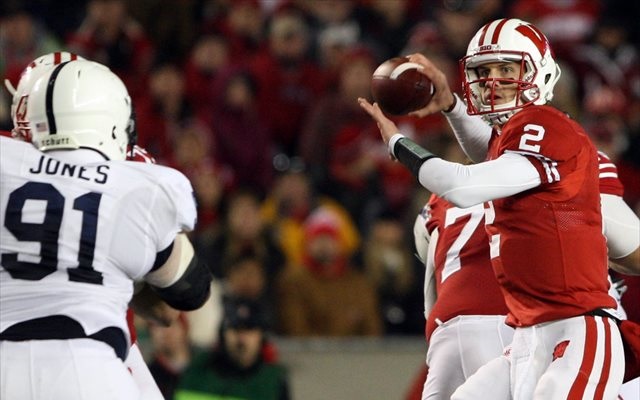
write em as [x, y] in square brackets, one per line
[537, 37]
[21, 108]
[484, 33]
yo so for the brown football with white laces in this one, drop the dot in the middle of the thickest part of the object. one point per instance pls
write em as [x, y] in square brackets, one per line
[399, 88]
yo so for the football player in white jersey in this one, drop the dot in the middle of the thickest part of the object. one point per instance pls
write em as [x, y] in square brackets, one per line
[144, 301]
[78, 225]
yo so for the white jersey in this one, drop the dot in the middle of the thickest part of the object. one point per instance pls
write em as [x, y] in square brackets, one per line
[76, 231]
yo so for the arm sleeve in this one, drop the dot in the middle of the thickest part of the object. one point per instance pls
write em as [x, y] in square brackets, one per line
[468, 185]
[471, 131]
[621, 226]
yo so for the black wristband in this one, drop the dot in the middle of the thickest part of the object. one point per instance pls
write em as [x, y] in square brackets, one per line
[411, 154]
[452, 106]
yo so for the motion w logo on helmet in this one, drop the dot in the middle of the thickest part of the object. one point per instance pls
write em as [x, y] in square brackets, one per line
[534, 34]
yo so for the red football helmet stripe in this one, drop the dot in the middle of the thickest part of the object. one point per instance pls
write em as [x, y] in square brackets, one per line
[496, 32]
[484, 32]
[56, 58]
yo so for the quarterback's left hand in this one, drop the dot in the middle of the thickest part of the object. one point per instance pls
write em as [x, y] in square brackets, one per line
[387, 127]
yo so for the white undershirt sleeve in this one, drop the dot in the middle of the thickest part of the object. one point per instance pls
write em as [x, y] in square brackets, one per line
[468, 185]
[621, 226]
[471, 131]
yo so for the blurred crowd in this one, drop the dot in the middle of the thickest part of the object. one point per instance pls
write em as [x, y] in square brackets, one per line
[300, 207]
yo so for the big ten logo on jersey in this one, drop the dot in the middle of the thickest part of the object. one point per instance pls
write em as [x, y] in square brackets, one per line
[50, 166]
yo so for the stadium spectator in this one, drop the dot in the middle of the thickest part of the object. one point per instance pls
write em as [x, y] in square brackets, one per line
[335, 110]
[288, 81]
[109, 35]
[241, 23]
[328, 295]
[389, 264]
[23, 38]
[209, 55]
[164, 110]
[291, 201]
[241, 364]
[241, 138]
[170, 354]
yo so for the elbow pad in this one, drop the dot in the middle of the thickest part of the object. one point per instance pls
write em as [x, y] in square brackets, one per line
[191, 290]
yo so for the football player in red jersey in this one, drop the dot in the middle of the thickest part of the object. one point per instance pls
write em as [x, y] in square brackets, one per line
[454, 245]
[537, 173]
[464, 307]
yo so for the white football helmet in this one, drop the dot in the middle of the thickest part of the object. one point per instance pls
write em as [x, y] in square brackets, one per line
[509, 40]
[81, 105]
[28, 77]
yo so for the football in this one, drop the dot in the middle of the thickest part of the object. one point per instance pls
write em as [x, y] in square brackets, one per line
[399, 88]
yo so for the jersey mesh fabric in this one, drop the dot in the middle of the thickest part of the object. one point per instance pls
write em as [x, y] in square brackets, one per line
[549, 251]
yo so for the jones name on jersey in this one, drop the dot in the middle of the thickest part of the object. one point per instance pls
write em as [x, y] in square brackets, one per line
[87, 227]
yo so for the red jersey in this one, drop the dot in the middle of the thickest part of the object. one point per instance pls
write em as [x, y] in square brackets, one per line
[132, 327]
[546, 244]
[465, 282]
[609, 181]
[139, 154]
